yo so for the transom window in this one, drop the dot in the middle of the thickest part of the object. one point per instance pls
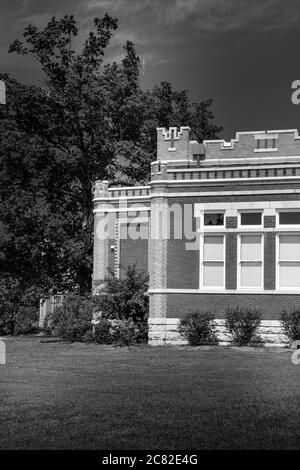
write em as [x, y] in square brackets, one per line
[214, 219]
[213, 261]
[288, 261]
[289, 218]
[250, 268]
[250, 218]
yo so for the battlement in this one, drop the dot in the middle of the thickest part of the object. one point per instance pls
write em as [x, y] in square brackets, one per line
[175, 145]
[274, 143]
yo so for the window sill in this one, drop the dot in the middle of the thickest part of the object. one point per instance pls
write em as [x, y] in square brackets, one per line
[275, 149]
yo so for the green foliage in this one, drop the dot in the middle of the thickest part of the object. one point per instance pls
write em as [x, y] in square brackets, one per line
[102, 332]
[26, 321]
[125, 298]
[122, 312]
[92, 121]
[198, 328]
[124, 332]
[73, 320]
[120, 332]
[290, 320]
[19, 307]
[242, 323]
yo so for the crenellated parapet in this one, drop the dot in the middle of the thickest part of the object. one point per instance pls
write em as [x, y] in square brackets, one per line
[159, 171]
[256, 144]
[173, 144]
[101, 189]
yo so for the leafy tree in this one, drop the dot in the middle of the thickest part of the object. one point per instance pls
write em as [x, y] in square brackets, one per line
[88, 121]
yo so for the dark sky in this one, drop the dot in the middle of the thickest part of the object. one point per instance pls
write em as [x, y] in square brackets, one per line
[242, 53]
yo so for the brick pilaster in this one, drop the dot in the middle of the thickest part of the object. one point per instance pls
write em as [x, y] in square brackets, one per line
[101, 233]
[159, 232]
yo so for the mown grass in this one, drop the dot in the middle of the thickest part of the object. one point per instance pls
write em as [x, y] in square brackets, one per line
[76, 396]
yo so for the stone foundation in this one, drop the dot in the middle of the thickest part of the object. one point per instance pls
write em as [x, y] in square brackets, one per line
[164, 331]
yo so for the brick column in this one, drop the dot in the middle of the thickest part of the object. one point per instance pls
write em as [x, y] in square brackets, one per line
[101, 236]
[269, 254]
[159, 228]
[158, 255]
[231, 254]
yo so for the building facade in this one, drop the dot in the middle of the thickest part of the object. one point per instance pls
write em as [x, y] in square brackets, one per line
[218, 226]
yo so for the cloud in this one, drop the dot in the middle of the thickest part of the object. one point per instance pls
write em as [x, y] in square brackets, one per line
[158, 28]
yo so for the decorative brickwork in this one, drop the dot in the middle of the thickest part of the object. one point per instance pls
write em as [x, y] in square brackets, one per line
[269, 221]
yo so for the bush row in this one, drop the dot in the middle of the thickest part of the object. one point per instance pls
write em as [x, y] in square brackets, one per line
[117, 315]
[241, 323]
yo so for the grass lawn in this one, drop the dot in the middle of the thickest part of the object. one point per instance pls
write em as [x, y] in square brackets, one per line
[76, 396]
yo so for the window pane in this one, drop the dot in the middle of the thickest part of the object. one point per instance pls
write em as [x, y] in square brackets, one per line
[289, 247]
[250, 247]
[251, 274]
[251, 218]
[213, 248]
[289, 218]
[213, 274]
[213, 219]
[289, 274]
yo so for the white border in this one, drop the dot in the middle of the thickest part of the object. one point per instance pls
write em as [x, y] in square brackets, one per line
[239, 287]
[201, 261]
[249, 226]
[295, 290]
[286, 226]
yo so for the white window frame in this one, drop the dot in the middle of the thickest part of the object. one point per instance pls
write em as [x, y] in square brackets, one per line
[250, 227]
[212, 228]
[286, 226]
[239, 261]
[278, 261]
[202, 261]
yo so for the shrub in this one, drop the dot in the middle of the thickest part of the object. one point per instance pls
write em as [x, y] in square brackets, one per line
[102, 332]
[142, 332]
[88, 337]
[121, 299]
[73, 319]
[120, 332]
[19, 305]
[198, 328]
[26, 321]
[242, 323]
[290, 320]
[124, 332]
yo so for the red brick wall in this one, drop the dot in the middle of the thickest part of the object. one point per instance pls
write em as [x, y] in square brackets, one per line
[270, 304]
[242, 185]
[244, 148]
[269, 261]
[231, 261]
[183, 266]
[133, 251]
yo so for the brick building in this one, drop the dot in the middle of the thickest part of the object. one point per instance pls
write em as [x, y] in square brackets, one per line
[218, 226]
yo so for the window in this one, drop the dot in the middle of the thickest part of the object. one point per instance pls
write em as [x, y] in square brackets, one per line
[250, 267]
[266, 144]
[288, 261]
[250, 218]
[289, 218]
[213, 261]
[214, 219]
